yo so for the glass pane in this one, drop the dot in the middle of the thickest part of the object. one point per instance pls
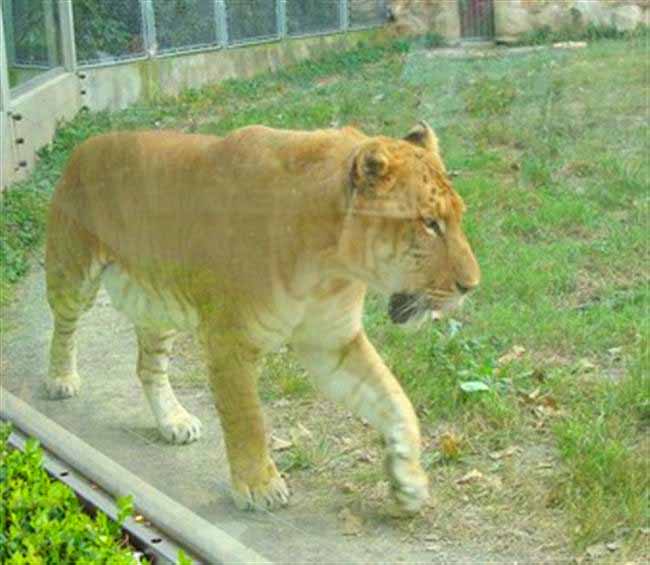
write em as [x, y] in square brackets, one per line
[312, 16]
[251, 20]
[32, 39]
[185, 24]
[106, 30]
[364, 13]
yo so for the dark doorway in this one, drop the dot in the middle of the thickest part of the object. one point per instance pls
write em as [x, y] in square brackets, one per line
[476, 19]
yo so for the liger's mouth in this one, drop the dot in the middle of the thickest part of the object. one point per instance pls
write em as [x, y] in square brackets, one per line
[404, 307]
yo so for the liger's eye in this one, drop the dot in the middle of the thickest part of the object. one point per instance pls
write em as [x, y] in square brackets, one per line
[433, 226]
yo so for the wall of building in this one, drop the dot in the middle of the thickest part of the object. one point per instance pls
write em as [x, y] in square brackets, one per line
[422, 16]
[33, 119]
[118, 86]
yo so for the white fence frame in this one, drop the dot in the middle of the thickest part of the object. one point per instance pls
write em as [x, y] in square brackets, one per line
[71, 63]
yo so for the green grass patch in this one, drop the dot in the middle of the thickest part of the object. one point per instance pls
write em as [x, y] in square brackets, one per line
[578, 32]
[604, 444]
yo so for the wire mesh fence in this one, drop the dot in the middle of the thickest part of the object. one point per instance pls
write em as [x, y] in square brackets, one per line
[184, 25]
[108, 30]
[305, 17]
[252, 20]
[367, 13]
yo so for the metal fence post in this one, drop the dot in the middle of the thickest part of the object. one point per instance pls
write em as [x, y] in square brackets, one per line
[50, 33]
[386, 10]
[4, 74]
[281, 17]
[148, 27]
[8, 10]
[68, 45]
[5, 102]
[221, 22]
[344, 15]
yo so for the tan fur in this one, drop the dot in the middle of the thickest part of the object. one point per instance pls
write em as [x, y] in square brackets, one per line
[256, 239]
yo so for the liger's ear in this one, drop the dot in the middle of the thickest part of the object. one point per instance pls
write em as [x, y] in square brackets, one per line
[423, 136]
[369, 167]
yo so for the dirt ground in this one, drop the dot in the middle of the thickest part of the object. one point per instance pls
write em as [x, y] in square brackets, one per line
[338, 511]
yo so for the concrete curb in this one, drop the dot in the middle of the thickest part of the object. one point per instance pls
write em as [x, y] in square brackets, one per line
[190, 530]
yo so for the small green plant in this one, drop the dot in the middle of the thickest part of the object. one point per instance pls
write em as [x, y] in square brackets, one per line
[433, 39]
[297, 458]
[42, 521]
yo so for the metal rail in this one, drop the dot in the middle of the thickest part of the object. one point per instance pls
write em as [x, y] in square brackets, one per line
[182, 527]
[146, 538]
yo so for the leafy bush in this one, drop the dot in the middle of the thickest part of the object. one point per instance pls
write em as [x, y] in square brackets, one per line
[41, 520]
[433, 39]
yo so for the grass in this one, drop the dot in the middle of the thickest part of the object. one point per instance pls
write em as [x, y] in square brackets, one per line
[550, 148]
[576, 32]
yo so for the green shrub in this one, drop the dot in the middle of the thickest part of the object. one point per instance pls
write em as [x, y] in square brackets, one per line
[433, 39]
[41, 520]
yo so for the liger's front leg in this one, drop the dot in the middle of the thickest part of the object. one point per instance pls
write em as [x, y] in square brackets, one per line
[233, 369]
[355, 374]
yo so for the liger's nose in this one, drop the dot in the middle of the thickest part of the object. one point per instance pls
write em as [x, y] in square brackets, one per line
[465, 289]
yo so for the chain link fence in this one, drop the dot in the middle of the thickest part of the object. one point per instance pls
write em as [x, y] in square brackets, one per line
[107, 31]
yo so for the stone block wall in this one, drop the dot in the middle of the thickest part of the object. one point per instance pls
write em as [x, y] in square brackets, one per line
[512, 18]
[422, 16]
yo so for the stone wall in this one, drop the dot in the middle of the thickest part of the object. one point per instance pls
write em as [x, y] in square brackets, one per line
[515, 17]
[422, 16]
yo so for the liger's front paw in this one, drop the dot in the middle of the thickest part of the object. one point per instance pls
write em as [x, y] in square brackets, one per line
[63, 387]
[267, 490]
[409, 484]
[181, 428]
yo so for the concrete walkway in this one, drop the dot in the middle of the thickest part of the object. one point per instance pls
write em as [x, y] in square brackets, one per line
[111, 415]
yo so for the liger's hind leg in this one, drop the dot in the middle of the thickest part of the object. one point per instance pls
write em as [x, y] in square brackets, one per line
[174, 422]
[72, 285]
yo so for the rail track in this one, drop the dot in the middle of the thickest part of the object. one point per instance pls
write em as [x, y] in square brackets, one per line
[160, 528]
